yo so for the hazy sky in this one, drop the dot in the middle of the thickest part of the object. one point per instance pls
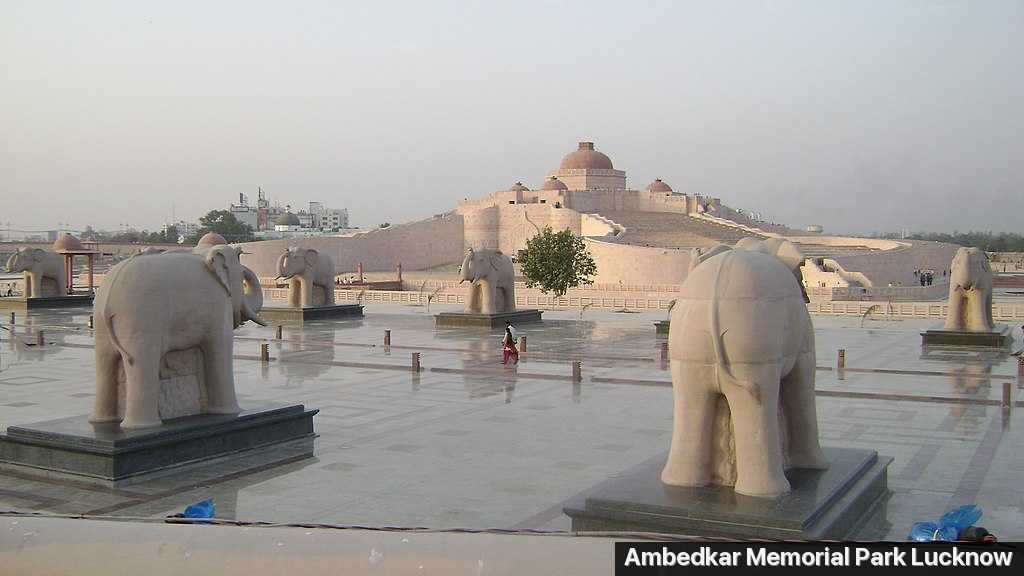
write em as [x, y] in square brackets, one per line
[859, 115]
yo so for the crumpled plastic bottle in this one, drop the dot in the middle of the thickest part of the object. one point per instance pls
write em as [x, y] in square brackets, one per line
[948, 527]
[204, 509]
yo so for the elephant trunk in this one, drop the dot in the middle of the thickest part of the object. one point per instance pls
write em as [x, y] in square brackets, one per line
[11, 262]
[252, 303]
[280, 267]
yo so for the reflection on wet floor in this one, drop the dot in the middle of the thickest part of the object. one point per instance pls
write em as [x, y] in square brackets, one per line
[467, 442]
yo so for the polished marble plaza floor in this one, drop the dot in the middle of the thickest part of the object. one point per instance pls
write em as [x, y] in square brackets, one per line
[467, 443]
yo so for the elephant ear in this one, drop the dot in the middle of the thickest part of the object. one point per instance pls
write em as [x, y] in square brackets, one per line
[496, 259]
[311, 257]
[38, 254]
[217, 263]
[698, 255]
[786, 251]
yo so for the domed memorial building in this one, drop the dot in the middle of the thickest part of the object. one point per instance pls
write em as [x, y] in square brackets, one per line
[636, 237]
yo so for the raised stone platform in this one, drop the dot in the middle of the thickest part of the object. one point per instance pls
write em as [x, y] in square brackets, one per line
[462, 319]
[110, 455]
[285, 314]
[23, 303]
[1001, 337]
[823, 504]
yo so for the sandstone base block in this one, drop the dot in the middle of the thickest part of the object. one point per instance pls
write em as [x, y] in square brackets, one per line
[23, 303]
[109, 455]
[1000, 337]
[467, 320]
[284, 314]
[823, 504]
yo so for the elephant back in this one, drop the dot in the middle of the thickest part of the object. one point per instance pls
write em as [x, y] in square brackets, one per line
[741, 275]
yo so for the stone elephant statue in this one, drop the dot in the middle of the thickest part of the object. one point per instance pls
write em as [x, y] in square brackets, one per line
[741, 347]
[310, 275]
[45, 275]
[970, 292]
[492, 277]
[151, 308]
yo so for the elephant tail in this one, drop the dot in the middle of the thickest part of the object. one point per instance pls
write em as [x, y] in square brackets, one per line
[715, 321]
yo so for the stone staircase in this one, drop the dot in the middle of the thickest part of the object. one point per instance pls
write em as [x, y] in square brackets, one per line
[671, 230]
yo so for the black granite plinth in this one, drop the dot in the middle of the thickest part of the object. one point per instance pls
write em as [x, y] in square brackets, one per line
[464, 319]
[1000, 337]
[107, 453]
[23, 303]
[823, 504]
[661, 327]
[283, 314]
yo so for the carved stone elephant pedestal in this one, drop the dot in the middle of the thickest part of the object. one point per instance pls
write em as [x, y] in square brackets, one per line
[490, 297]
[969, 321]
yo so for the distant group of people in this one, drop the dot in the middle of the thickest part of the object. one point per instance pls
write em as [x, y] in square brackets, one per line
[8, 290]
[926, 276]
[345, 281]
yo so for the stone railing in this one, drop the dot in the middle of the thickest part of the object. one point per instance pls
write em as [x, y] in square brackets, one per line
[879, 293]
[1001, 311]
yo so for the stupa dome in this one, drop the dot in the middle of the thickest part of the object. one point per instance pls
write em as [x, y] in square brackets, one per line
[586, 158]
[658, 186]
[553, 183]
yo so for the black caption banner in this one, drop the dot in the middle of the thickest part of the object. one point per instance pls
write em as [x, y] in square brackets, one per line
[634, 558]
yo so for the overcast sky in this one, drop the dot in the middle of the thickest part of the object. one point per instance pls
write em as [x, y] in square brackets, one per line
[862, 115]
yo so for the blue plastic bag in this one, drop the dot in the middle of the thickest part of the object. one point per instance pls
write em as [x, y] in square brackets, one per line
[204, 509]
[948, 527]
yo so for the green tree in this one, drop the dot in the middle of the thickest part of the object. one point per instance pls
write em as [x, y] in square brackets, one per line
[224, 223]
[556, 261]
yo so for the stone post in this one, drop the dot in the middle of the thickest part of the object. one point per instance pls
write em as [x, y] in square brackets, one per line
[577, 371]
[264, 353]
[522, 345]
[90, 324]
[415, 361]
[841, 359]
[387, 337]
[12, 318]
[359, 270]
[398, 272]
[39, 338]
[1007, 395]
[280, 331]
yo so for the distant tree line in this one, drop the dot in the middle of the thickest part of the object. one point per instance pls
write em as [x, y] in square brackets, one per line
[987, 241]
[222, 222]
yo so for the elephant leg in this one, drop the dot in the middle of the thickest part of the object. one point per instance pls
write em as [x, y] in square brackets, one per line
[328, 293]
[107, 365]
[489, 290]
[689, 458]
[798, 404]
[142, 387]
[33, 288]
[307, 292]
[755, 422]
[976, 313]
[219, 371]
[955, 315]
[294, 296]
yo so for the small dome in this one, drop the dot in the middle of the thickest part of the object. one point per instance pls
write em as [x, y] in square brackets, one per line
[211, 239]
[68, 243]
[659, 186]
[518, 187]
[553, 184]
[288, 219]
[586, 158]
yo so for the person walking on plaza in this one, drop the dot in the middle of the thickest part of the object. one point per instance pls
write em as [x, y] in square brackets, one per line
[508, 346]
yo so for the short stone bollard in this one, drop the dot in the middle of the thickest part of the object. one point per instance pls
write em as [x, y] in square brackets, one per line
[264, 352]
[39, 338]
[387, 337]
[664, 351]
[522, 345]
[841, 359]
[577, 371]
[415, 361]
[280, 331]
[90, 324]
[1007, 394]
[1020, 367]
[12, 318]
